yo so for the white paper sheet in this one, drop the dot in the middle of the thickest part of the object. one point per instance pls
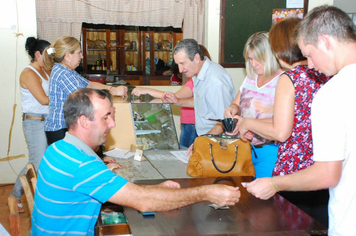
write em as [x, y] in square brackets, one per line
[119, 153]
[3, 231]
[295, 3]
[181, 155]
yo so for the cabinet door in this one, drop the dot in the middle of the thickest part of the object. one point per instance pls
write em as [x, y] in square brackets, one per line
[132, 41]
[163, 46]
[95, 50]
[158, 50]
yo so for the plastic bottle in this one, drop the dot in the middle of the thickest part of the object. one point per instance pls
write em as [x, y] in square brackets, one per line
[98, 62]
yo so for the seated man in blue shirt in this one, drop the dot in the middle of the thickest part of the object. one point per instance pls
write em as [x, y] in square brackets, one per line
[73, 182]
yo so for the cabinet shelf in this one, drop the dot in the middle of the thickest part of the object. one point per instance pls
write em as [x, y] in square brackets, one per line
[96, 49]
[129, 45]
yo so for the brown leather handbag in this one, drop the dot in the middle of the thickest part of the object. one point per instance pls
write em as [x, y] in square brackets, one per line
[217, 155]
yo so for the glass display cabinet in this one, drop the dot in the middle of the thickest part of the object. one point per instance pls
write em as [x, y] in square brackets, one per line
[143, 120]
[154, 126]
[128, 50]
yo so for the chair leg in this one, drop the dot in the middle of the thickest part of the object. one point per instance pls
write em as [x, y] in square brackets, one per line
[14, 218]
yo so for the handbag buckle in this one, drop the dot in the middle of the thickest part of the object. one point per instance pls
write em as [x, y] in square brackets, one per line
[222, 145]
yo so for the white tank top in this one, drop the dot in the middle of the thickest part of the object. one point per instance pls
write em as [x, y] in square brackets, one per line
[29, 102]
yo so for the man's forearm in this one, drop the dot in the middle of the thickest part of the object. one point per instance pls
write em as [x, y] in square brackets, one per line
[185, 102]
[320, 175]
[217, 129]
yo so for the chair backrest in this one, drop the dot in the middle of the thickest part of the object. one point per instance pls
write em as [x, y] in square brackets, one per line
[29, 181]
[14, 218]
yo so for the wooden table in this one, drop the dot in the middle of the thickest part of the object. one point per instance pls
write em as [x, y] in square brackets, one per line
[250, 216]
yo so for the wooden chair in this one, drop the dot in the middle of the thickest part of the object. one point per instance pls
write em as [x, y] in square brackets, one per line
[29, 181]
[14, 218]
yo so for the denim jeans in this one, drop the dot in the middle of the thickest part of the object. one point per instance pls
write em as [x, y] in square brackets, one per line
[187, 136]
[36, 143]
[265, 160]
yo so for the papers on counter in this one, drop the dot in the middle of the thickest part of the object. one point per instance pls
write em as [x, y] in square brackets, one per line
[181, 155]
[119, 153]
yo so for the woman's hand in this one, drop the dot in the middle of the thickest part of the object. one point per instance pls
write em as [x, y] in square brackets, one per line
[231, 111]
[119, 91]
[236, 129]
[138, 91]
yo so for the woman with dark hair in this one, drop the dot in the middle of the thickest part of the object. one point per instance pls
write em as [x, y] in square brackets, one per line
[291, 124]
[34, 98]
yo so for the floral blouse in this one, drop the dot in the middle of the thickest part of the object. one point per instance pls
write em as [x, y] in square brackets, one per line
[296, 153]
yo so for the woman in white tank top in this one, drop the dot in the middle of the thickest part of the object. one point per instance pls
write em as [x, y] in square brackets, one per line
[34, 90]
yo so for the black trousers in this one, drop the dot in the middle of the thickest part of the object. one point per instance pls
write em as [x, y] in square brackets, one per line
[314, 203]
[53, 136]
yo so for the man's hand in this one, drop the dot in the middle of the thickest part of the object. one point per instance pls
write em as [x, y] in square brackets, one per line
[223, 195]
[113, 166]
[170, 97]
[261, 188]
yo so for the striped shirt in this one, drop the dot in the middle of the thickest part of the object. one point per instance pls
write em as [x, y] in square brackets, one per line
[72, 184]
[62, 83]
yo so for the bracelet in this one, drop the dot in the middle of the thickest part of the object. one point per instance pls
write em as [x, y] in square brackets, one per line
[275, 188]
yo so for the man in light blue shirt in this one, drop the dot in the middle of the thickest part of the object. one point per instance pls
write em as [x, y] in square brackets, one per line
[213, 87]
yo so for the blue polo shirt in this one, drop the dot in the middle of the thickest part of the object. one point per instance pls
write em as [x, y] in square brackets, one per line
[72, 184]
[213, 92]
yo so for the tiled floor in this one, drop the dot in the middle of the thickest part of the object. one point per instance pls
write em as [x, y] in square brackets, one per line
[4, 211]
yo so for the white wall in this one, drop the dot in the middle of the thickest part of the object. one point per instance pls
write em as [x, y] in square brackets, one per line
[13, 59]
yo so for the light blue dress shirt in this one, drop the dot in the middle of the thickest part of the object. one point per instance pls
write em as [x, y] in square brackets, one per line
[213, 92]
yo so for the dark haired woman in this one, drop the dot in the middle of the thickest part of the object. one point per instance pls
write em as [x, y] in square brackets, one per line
[34, 90]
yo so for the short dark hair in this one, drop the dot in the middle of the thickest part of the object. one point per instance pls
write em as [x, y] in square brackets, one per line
[282, 42]
[79, 103]
[190, 47]
[325, 20]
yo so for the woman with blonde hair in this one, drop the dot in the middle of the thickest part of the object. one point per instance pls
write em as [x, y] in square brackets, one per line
[256, 98]
[61, 59]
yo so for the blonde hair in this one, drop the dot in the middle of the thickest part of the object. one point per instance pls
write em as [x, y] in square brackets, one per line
[258, 44]
[62, 45]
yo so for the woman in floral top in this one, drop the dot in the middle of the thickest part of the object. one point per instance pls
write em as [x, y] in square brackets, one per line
[291, 124]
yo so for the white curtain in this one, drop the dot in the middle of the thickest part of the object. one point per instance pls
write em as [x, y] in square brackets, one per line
[194, 20]
[56, 18]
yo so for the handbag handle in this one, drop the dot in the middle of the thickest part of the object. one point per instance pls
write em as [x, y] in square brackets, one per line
[212, 159]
